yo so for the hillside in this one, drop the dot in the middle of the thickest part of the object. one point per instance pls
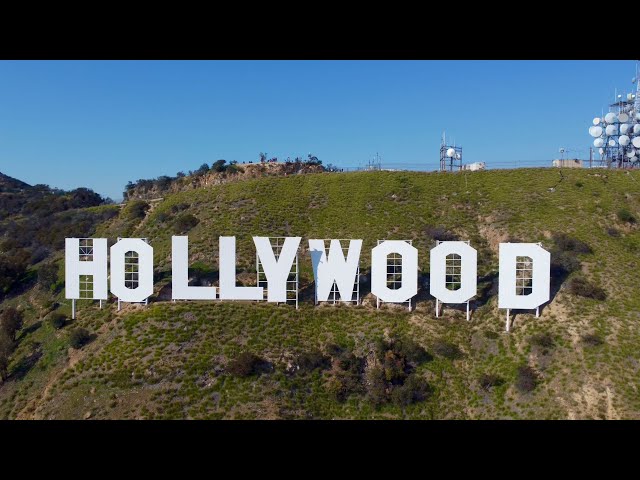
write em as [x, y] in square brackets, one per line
[580, 359]
[10, 184]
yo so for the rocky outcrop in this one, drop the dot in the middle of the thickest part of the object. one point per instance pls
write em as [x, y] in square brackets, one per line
[151, 189]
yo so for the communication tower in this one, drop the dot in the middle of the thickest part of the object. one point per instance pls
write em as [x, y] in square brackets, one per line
[617, 133]
[450, 156]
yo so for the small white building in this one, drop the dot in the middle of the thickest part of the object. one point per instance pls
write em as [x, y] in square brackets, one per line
[474, 167]
[567, 163]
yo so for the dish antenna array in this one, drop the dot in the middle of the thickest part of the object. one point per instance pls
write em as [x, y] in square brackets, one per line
[450, 156]
[617, 133]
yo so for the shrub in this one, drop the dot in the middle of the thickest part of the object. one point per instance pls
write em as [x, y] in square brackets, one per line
[136, 210]
[314, 360]
[582, 287]
[439, 233]
[376, 387]
[544, 340]
[184, 222]
[162, 217]
[219, 166]
[247, 364]
[565, 243]
[79, 337]
[563, 263]
[48, 276]
[624, 215]
[57, 320]
[6, 349]
[613, 232]
[592, 340]
[334, 350]
[491, 334]
[415, 389]
[11, 320]
[447, 350]
[526, 379]
[488, 380]
[411, 350]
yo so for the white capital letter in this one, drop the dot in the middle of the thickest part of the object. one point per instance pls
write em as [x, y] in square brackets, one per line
[144, 272]
[466, 266]
[180, 289]
[277, 271]
[533, 277]
[336, 269]
[228, 288]
[93, 251]
[409, 271]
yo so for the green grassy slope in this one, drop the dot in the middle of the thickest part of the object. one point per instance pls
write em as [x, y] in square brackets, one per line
[170, 360]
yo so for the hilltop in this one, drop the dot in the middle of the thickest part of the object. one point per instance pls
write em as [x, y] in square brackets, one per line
[10, 184]
[580, 359]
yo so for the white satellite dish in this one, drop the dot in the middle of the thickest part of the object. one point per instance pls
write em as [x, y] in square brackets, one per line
[611, 129]
[601, 151]
[625, 128]
[636, 142]
[610, 117]
[624, 140]
[595, 131]
[458, 156]
[637, 115]
[598, 142]
[451, 152]
[631, 153]
[623, 117]
[596, 121]
[636, 128]
[612, 143]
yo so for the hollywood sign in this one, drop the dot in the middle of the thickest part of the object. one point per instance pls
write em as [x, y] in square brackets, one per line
[524, 272]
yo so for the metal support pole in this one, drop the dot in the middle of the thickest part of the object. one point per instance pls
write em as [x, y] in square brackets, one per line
[507, 319]
[73, 309]
[538, 312]
[100, 304]
[436, 308]
[118, 304]
[468, 318]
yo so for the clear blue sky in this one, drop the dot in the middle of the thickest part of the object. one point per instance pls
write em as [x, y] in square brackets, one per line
[102, 123]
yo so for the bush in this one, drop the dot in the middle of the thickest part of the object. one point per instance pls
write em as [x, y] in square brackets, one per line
[48, 276]
[624, 215]
[582, 287]
[440, 233]
[6, 349]
[11, 320]
[565, 243]
[136, 210]
[219, 166]
[414, 389]
[544, 340]
[310, 361]
[526, 379]
[247, 364]
[184, 222]
[162, 217]
[411, 350]
[57, 320]
[79, 337]
[592, 340]
[488, 380]
[613, 232]
[447, 350]
[563, 263]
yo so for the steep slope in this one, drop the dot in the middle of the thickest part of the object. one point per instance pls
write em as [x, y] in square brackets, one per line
[180, 360]
[10, 184]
